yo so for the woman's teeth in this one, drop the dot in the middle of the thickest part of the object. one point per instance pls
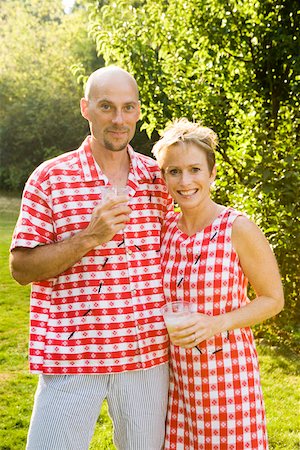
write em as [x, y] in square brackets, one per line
[187, 193]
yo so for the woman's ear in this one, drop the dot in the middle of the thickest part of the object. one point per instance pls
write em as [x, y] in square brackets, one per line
[213, 174]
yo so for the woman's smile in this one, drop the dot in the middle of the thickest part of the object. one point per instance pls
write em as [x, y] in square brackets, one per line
[187, 193]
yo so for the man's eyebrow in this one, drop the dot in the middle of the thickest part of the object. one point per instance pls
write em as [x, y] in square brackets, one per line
[106, 100]
[135, 102]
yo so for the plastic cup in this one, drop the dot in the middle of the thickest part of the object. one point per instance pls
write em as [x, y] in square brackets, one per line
[174, 314]
[111, 192]
[122, 191]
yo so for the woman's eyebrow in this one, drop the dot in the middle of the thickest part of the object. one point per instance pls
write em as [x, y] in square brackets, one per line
[190, 165]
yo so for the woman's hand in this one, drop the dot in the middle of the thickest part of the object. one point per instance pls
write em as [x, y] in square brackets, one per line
[197, 328]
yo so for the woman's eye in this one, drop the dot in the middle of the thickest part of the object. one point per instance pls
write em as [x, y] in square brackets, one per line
[174, 172]
[195, 169]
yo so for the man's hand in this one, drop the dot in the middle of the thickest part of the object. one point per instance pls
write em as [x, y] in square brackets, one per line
[49, 261]
[108, 219]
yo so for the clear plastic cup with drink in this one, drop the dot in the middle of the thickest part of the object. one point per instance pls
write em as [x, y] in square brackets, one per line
[175, 313]
[112, 192]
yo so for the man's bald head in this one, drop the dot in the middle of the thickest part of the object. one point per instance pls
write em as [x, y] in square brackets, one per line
[106, 74]
[111, 106]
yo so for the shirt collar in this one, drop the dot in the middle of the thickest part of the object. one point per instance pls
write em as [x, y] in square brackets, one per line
[91, 171]
[138, 165]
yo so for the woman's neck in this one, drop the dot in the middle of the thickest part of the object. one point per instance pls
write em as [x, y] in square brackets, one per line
[193, 221]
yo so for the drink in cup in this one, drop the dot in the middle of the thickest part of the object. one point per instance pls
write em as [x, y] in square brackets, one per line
[174, 314]
[111, 192]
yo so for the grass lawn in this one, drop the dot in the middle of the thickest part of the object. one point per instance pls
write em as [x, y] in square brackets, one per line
[279, 369]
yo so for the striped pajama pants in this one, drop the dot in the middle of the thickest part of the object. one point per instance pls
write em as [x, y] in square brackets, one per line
[67, 407]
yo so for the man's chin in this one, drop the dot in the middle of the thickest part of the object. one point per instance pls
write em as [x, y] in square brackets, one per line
[114, 147]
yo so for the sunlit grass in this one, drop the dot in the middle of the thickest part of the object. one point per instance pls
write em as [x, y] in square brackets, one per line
[281, 387]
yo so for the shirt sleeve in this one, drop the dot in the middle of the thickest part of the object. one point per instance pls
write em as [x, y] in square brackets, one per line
[170, 204]
[35, 225]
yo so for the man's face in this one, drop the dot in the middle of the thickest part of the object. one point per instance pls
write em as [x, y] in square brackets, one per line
[112, 110]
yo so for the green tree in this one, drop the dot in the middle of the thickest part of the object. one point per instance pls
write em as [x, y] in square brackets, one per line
[235, 66]
[40, 114]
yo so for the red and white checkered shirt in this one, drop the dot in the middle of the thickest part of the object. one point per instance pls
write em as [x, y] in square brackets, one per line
[215, 400]
[103, 314]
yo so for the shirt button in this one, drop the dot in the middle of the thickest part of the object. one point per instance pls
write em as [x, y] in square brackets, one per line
[133, 292]
[129, 252]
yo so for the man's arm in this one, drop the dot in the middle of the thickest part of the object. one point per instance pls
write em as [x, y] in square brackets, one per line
[48, 261]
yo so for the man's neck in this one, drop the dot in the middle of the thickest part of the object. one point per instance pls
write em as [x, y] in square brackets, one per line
[115, 165]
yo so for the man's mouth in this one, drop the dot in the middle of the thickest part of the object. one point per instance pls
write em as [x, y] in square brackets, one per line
[118, 134]
[118, 130]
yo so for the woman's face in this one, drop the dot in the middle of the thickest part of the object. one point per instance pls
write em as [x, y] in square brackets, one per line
[187, 174]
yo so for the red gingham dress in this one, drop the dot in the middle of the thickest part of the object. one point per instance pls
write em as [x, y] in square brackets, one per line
[215, 400]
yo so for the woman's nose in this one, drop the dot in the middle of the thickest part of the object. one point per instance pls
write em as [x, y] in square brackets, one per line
[185, 177]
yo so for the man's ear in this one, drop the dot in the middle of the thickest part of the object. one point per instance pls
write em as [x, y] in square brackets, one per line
[84, 108]
[139, 112]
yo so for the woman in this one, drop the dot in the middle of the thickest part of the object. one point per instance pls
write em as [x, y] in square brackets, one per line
[209, 252]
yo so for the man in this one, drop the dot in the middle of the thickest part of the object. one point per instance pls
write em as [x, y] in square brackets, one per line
[96, 330]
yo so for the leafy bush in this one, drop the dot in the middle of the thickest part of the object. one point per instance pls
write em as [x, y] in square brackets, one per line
[233, 66]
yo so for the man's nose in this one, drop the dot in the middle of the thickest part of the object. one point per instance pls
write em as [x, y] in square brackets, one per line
[118, 117]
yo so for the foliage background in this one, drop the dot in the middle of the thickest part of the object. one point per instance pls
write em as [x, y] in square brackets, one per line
[39, 95]
[234, 65]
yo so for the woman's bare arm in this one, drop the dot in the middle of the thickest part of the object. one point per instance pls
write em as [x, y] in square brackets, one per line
[260, 267]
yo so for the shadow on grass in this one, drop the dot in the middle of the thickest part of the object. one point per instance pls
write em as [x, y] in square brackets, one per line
[286, 359]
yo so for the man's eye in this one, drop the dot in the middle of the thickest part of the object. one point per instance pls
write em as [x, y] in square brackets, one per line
[174, 172]
[105, 106]
[195, 169]
[129, 107]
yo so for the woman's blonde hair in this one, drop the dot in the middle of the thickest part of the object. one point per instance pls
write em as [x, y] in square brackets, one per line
[186, 132]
